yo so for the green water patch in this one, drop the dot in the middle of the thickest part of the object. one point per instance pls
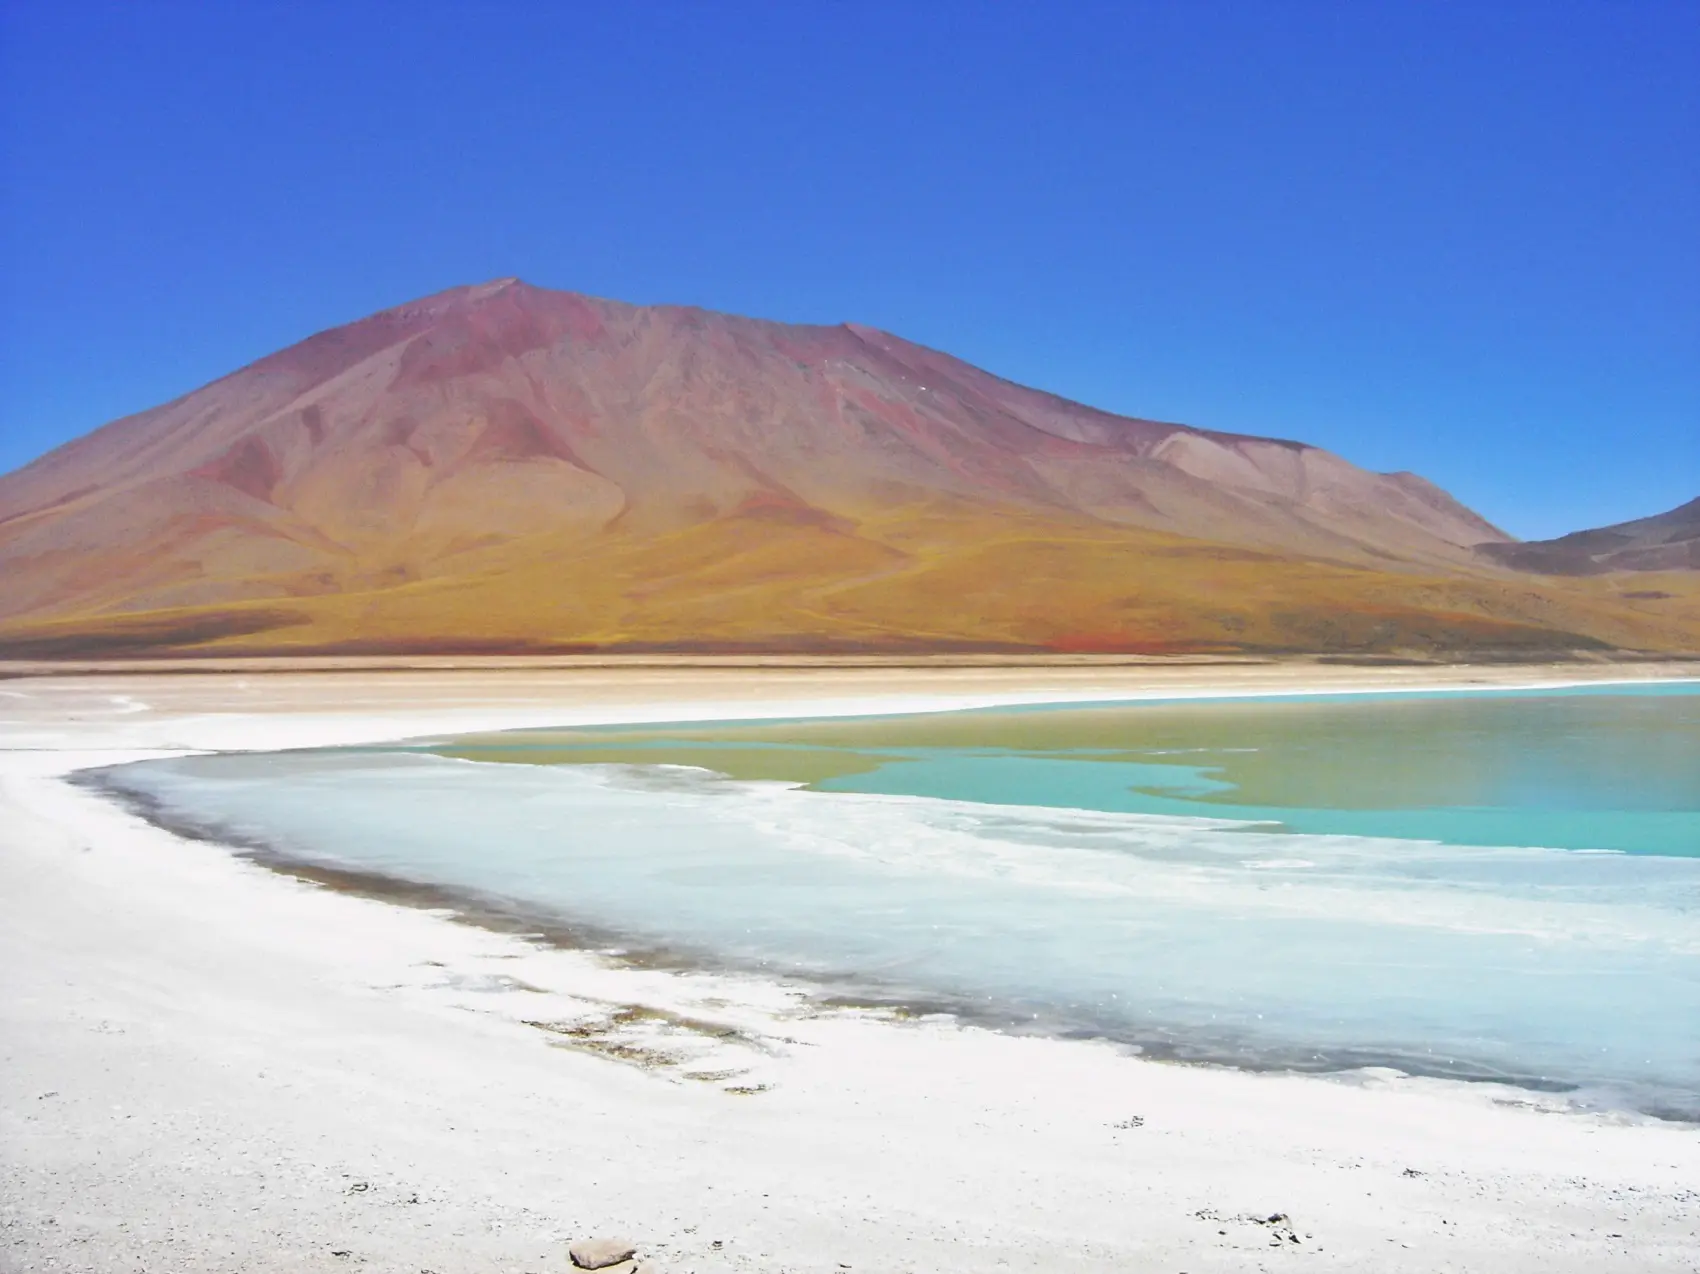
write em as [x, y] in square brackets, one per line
[1190, 792]
[1613, 768]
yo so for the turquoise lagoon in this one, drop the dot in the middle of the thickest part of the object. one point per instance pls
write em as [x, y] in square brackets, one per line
[1493, 886]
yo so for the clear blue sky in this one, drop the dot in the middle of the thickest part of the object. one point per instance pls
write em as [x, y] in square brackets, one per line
[1462, 239]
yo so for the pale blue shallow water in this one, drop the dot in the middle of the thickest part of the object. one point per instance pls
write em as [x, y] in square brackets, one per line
[1487, 886]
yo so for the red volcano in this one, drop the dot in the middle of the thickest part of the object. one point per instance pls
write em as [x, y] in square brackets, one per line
[508, 466]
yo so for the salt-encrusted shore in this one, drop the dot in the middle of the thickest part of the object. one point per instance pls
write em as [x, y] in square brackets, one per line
[205, 1065]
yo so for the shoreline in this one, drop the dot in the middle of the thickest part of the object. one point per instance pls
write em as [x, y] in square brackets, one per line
[804, 1135]
[487, 699]
[1632, 665]
[539, 926]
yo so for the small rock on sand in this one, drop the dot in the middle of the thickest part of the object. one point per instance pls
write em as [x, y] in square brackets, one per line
[599, 1254]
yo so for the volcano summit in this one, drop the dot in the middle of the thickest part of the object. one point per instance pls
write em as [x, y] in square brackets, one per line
[506, 467]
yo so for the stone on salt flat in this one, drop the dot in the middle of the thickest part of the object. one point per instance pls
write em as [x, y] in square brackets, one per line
[599, 1254]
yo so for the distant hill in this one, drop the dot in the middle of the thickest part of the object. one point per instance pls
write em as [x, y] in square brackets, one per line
[1666, 542]
[505, 467]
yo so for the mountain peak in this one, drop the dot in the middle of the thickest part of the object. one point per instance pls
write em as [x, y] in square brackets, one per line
[537, 465]
[478, 291]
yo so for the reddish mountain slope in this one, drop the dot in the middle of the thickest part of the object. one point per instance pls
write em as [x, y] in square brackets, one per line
[505, 465]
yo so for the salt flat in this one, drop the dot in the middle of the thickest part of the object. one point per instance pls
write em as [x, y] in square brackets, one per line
[210, 1066]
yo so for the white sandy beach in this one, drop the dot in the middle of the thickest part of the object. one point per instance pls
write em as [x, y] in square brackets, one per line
[210, 1066]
